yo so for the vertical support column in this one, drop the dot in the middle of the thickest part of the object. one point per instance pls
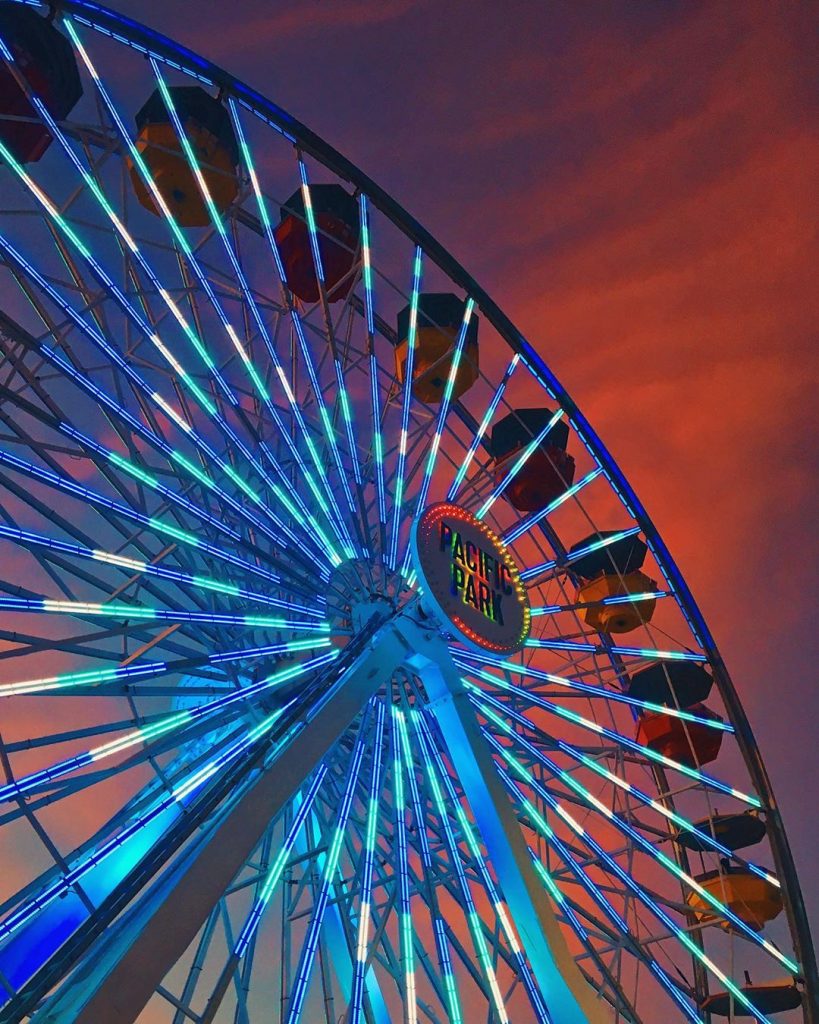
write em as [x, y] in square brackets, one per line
[568, 996]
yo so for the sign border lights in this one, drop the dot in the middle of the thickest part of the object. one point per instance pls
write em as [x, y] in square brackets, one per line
[426, 544]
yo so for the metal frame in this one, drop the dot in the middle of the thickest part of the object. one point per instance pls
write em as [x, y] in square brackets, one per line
[476, 779]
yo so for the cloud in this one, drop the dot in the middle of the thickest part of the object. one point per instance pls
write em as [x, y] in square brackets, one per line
[267, 29]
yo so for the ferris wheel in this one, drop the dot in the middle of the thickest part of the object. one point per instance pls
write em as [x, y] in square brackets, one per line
[344, 676]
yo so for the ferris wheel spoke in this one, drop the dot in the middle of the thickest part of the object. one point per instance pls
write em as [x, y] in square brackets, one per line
[518, 464]
[616, 737]
[606, 602]
[50, 794]
[166, 408]
[355, 1009]
[612, 991]
[136, 471]
[219, 225]
[341, 930]
[298, 328]
[177, 773]
[143, 390]
[286, 537]
[526, 524]
[265, 888]
[576, 554]
[105, 280]
[398, 487]
[466, 960]
[607, 648]
[131, 808]
[174, 456]
[87, 644]
[179, 639]
[136, 568]
[232, 335]
[146, 613]
[48, 550]
[647, 847]
[159, 727]
[449, 996]
[507, 850]
[381, 959]
[377, 443]
[299, 991]
[480, 432]
[405, 924]
[139, 835]
[641, 893]
[341, 387]
[594, 765]
[498, 904]
[97, 678]
[305, 738]
[118, 225]
[443, 411]
[442, 881]
[103, 504]
[295, 578]
[581, 873]
[463, 660]
[670, 985]
[435, 772]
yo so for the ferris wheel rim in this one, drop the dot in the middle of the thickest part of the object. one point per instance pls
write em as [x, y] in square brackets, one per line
[307, 140]
[139, 36]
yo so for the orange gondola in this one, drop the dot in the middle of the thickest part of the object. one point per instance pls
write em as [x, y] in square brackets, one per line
[616, 618]
[440, 317]
[609, 571]
[752, 899]
[208, 129]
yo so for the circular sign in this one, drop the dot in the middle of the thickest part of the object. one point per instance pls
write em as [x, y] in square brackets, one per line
[467, 573]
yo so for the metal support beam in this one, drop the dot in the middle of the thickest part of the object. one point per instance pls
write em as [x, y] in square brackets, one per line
[116, 984]
[568, 996]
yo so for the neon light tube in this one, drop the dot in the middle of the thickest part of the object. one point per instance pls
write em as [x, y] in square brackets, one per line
[484, 425]
[518, 465]
[512, 535]
[311, 938]
[409, 366]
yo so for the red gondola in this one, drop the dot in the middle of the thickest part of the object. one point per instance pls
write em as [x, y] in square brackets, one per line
[690, 743]
[549, 470]
[44, 58]
[338, 228]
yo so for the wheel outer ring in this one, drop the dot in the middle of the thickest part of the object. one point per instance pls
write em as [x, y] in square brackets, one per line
[132, 33]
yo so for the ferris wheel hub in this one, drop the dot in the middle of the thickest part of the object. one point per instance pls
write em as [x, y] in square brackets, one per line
[468, 579]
